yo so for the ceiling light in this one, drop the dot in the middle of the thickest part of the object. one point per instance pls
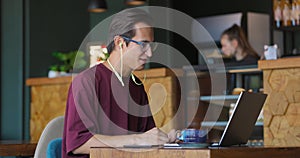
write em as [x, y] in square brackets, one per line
[97, 6]
[135, 2]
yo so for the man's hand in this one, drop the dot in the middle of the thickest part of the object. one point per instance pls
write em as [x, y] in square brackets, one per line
[152, 137]
[172, 135]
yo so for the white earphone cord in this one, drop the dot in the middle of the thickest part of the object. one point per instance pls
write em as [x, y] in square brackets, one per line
[121, 53]
[116, 73]
[121, 73]
[133, 79]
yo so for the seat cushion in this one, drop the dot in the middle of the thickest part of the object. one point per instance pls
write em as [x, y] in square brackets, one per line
[54, 148]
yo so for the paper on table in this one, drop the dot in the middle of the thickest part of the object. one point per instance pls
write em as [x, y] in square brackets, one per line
[141, 146]
[172, 145]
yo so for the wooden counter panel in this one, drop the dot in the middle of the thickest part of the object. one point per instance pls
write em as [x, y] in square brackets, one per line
[279, 63]
[158, 72]
[47, 102]
[282, 107]
[46, 80]
[163, 99]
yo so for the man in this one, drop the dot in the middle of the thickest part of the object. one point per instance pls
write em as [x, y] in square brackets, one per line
[107, 105]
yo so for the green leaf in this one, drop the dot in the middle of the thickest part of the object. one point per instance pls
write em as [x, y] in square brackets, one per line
[68, 59]
[54, 67]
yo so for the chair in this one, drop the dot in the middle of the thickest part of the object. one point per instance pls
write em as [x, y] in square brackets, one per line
[53, 130]
[54, 148]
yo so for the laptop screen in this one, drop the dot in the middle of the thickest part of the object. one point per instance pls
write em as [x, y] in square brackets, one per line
[242, 121]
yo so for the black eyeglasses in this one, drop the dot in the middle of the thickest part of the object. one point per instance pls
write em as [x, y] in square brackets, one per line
[144, 45]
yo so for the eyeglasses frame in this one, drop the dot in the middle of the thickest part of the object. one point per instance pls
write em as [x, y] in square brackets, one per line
[141, 43]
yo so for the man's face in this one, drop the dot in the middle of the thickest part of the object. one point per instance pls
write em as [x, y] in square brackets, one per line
[134, 56]
[227, 46]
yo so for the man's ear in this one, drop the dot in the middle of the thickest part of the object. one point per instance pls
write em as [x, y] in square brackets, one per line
[119, 42]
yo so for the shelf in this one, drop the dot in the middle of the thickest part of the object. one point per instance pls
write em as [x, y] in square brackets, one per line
[250, 70]
[288, 28]
[219, 97]
[218, 100]
[220, 125]
[289, 42]
[223, 123]
[227, 68]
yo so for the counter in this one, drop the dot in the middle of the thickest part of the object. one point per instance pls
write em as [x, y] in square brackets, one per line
[282, 107]
[48, 100]
[49, 95]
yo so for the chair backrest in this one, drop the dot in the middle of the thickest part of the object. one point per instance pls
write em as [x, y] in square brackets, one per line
[54, 129]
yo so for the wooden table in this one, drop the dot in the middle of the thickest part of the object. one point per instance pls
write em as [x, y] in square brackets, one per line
[231, 152]
[17, 148]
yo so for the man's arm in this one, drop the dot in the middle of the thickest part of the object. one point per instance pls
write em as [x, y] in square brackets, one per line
[151, 137]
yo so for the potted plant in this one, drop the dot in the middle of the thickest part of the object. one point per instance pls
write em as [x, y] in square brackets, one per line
[53, 71]
[68, 62]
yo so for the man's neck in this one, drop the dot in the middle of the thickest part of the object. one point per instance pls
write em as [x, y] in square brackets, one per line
[115, 62]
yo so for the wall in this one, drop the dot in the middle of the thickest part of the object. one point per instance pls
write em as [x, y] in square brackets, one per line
[11, 69]
[199, 9]
[30, 31]
[194, 9]
[55, 26]
[114, 6]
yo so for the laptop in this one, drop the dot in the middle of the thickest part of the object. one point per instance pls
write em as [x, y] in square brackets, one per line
[242, 121]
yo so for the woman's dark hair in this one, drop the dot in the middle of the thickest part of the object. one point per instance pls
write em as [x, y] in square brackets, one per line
[123, 24]
[237, 33]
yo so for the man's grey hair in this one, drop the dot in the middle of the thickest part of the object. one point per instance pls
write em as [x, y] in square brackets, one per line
[123, 24]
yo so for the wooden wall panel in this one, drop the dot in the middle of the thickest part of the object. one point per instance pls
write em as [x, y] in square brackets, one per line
[282, 108]
[162, 99]
[47, 102]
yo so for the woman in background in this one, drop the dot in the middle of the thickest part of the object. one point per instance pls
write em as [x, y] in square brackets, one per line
[235, 44]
